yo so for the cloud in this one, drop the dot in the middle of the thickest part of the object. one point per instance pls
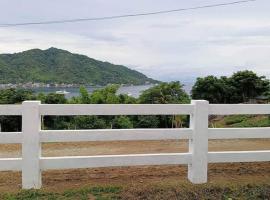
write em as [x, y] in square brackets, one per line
[177, 46]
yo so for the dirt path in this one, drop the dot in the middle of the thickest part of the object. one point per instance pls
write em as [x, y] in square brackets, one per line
[57, 180]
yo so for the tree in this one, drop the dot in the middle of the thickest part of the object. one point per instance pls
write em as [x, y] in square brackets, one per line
[238, 88]
[212, 89]
[143, 121]
[13, 96]
[87, 122]
[267, 94]
[105, 95]
[84, 95]
[166, 93]
[54, 122]
[249, 85]
[122, 122]
[53, 98]
[125, 99]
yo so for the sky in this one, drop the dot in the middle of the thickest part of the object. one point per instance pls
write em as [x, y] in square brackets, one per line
[168, 47]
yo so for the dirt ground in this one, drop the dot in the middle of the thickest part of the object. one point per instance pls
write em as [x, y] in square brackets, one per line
[66, 179]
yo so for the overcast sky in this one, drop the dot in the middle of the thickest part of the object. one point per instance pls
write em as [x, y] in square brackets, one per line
[175, 46]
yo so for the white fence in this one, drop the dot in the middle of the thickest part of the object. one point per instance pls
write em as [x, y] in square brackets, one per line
[32, 163]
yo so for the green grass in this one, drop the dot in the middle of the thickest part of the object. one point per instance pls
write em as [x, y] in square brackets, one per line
[242, 121]
[99, 193]
[154, 191]
[262, 121]
[233, 119]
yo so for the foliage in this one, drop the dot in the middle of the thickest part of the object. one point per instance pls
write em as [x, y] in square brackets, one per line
[249, 85]
[146, 121]
[122, 122]
[238, 88]
[60, 66]
[162, 93]
[233, 119]
[243, 121]
[256, 121]
[165, 93]
[13, 96]
[10, 123]
[57, 122]
[211, 88]
[98, 193]
[52, 98]
[87, 122]
[105, 95]
[267, 94]
[84, 96]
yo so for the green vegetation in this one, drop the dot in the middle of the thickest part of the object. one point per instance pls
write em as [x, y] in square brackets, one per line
[240, 87]
[163, 93]
[234, 119]
[243, 121]
[157, 191]
[210, 88]
[98, 193]
[59, 66]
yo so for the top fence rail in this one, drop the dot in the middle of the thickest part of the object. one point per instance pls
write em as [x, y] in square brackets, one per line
[138, 109]
[10, 109]
[116, 109]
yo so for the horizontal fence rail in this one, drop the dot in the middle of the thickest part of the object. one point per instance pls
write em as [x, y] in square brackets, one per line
[14, 164]
[197, 158]
[239, 109]
[115, 160]
[238, 156]
[10, 137]
[116, 109]
[10, 110]
[114, 135]
[238, 133]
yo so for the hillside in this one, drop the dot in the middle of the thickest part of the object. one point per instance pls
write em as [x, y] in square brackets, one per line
[60, 66]
[240, 121]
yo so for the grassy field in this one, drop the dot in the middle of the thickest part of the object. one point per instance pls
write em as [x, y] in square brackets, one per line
[84, 193]
[241, 121]
[157, 191]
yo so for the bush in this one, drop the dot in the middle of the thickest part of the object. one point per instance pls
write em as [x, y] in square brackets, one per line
[233, 119]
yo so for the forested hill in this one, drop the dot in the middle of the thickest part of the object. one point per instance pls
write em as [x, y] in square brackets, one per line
[60, 66]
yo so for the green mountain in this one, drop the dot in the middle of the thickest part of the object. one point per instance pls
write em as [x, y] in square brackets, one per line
[60, 66]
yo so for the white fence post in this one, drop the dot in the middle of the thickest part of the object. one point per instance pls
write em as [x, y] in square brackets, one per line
[198, 145]
[31, 148]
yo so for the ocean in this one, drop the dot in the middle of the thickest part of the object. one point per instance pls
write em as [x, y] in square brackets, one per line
[134, 90]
